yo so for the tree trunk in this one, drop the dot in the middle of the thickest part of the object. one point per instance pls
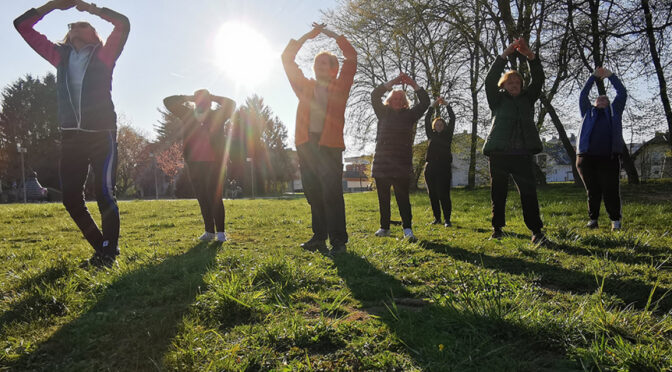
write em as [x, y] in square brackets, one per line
[629, 166]
[563, 138]
[662, 84]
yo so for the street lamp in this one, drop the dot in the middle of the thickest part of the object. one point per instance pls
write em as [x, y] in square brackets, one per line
[156, 183]
[251, 160]
[22, 150]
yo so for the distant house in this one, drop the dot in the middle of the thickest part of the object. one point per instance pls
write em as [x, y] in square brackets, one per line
[355, 176]
[653, 158]
[461, 148]
[554, 161]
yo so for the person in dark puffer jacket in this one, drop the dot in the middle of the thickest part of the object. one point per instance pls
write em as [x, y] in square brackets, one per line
[439, 159]
[599, 149]
[86, 116]
[392, 161]
[513, 138]
[203, 138]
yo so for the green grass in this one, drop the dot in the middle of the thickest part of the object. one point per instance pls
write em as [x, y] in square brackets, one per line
[593, 300]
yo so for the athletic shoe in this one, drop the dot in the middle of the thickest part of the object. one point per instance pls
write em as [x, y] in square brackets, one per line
[99, 261]
[592, 224]
[314, 244]
[448, 224]
[539, 239]
[497, 233]
[221, 237]
[207, 237]
[436, 222]
[382, 232]
[615, 225]
[408, 234]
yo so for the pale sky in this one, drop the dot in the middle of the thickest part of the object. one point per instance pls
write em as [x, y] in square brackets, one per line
[172, 49]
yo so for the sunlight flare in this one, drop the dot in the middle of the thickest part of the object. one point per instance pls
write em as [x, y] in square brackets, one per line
[243, 53]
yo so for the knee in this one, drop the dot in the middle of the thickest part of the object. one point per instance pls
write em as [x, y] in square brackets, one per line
[73, 202]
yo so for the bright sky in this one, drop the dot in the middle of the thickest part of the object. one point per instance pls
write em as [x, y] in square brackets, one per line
[176, 47]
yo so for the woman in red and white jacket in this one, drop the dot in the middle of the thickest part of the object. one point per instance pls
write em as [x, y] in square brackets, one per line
[86, 115]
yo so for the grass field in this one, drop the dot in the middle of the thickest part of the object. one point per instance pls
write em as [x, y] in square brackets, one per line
[592, 300]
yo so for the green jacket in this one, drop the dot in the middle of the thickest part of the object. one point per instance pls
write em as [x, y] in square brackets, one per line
[513, 116]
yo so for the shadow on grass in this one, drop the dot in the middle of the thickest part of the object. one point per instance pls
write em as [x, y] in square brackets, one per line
[133, 322]
[442, 337]
[554, 277]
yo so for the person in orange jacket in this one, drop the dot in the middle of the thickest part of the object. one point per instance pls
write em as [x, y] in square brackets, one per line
[319, 141]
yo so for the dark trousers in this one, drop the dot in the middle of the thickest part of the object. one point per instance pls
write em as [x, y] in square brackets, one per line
[520, 167]
[207, 180]
[601, 177]
[401, 191]
[99, 150]
[321, 175]
[437, 179]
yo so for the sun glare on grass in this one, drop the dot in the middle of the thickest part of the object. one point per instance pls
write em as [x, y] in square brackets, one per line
[243, 53]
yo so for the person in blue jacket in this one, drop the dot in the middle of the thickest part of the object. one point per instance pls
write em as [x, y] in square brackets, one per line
[599, 148]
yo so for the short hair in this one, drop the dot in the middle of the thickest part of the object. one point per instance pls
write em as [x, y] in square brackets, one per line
[333, 60]
[66, 39]
[508, 76]
[438, 119]
[407, 104]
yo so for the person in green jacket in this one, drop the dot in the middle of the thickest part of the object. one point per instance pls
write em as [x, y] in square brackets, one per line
[513, 138]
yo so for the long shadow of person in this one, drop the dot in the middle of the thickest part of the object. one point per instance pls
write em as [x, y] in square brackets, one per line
[440, 337]
[556, 277]
[135, 319]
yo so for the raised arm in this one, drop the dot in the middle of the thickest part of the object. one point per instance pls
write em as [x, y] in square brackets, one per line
[621, 93]
[347, 74]
[536, 70]
[429, 118]
[226, 105]
[419, 108]
[177, 104]
[115, 42]
[294, 73]
[584, 102]
[24, 25]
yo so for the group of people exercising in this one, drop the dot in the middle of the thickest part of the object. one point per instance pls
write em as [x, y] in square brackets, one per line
[87, 119]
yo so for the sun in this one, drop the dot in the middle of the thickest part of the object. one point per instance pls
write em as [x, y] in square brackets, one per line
[243, 53]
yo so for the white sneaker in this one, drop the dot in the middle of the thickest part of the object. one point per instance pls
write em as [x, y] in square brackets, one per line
[408, 234]
[221, 237]
[382, 232]
[207, 237]
[615, 225]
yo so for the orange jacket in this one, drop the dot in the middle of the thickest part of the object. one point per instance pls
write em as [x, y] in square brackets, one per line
[338, 92]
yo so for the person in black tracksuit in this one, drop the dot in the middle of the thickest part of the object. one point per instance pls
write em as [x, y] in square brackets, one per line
[393, 159]
[439, 159]
[204, 139]
[86, 115]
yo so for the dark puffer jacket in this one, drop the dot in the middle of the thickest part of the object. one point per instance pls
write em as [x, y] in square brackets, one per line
[394, 138]
[96, 108]
[513, 128]
[438, 143]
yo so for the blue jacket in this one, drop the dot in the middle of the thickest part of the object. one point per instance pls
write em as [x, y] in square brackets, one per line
[614, 113]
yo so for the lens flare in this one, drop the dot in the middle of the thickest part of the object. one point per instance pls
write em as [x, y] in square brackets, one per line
[243, 53]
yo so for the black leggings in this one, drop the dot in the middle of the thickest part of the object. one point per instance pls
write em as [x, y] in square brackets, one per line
[601, 177]
[437, 178]
[80, 149]
[401, 191]
[207, 179]
[520, 167]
